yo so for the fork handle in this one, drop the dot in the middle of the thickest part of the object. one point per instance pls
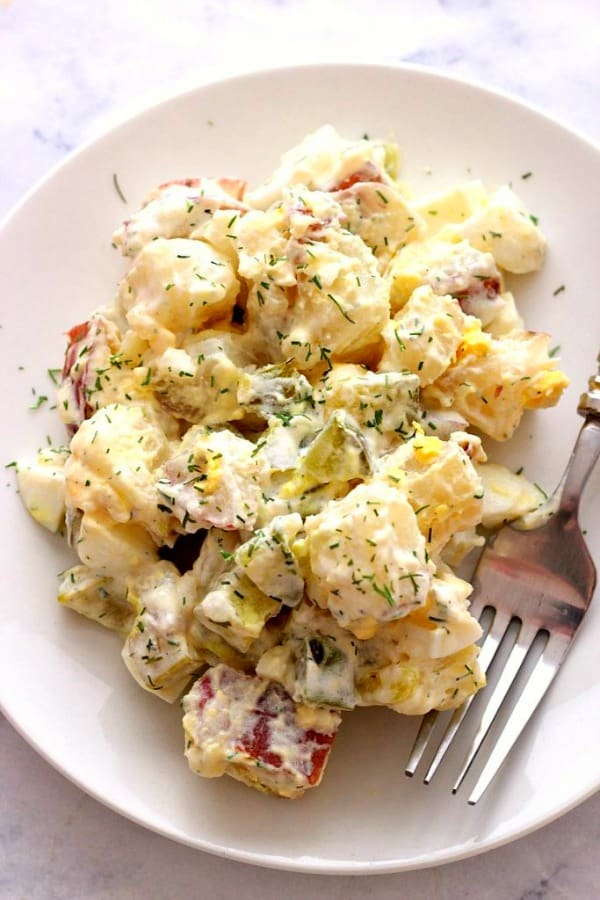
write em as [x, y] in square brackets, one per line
[589, 403]
[579, 468]
[586, 450]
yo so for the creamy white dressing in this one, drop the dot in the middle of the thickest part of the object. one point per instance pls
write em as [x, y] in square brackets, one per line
[286, 381]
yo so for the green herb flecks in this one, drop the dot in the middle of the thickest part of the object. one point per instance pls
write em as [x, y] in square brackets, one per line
[341, 309]
[40, 400]
[117, 187]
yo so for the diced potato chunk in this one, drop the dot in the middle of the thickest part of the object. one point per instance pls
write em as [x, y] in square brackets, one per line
[315, 294]
[212, 481]
[423, 337]
[504, 228]
[324, 161]
[450, 205]
[443, 683]
[396, 669]
[492, 381]
[381, 216]
[175, 287]
[447, 267]
[368, 558]
[115, 456]
[236, 609]
[110, 547]
[175, 209]
[251, 729]
[156, 651]
[441, 484]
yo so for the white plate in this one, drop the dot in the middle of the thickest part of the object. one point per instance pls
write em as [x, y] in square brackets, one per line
[62, 682]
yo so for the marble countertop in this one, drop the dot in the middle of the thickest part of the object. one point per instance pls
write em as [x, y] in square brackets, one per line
[67, 70]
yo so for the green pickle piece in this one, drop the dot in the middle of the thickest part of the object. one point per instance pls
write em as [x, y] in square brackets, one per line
[274, 390]
[214, 649]
[96, 597]
[325, 673]
[236, 609]
[387, 686]
[338, 453]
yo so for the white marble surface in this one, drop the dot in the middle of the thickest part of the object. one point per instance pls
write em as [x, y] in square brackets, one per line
[67, 69]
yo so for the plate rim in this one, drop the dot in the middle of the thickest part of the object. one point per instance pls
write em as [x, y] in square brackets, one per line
[125, 118]
[306, 864]
[309, 864]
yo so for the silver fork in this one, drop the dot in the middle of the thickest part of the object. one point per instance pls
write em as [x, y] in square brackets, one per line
[541, 583]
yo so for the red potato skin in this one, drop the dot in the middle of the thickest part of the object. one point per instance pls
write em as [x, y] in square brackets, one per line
[89, 347]
[490, 287]
[76, 341]
[367, 173]
[235, 187]
[256, 741]
[257, 744]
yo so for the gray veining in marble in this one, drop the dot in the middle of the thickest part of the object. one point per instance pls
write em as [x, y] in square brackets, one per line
[67, 70]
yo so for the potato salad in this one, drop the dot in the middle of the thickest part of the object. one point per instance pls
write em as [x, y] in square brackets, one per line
[275, 456]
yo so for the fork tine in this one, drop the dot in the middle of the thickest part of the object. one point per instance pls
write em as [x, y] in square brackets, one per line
[545, 581]
[509, 673]
[539, 681]
[486, 655]
[420, 745]
[453, 726]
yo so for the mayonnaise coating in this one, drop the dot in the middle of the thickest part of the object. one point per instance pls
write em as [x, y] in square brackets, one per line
[270, 470]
